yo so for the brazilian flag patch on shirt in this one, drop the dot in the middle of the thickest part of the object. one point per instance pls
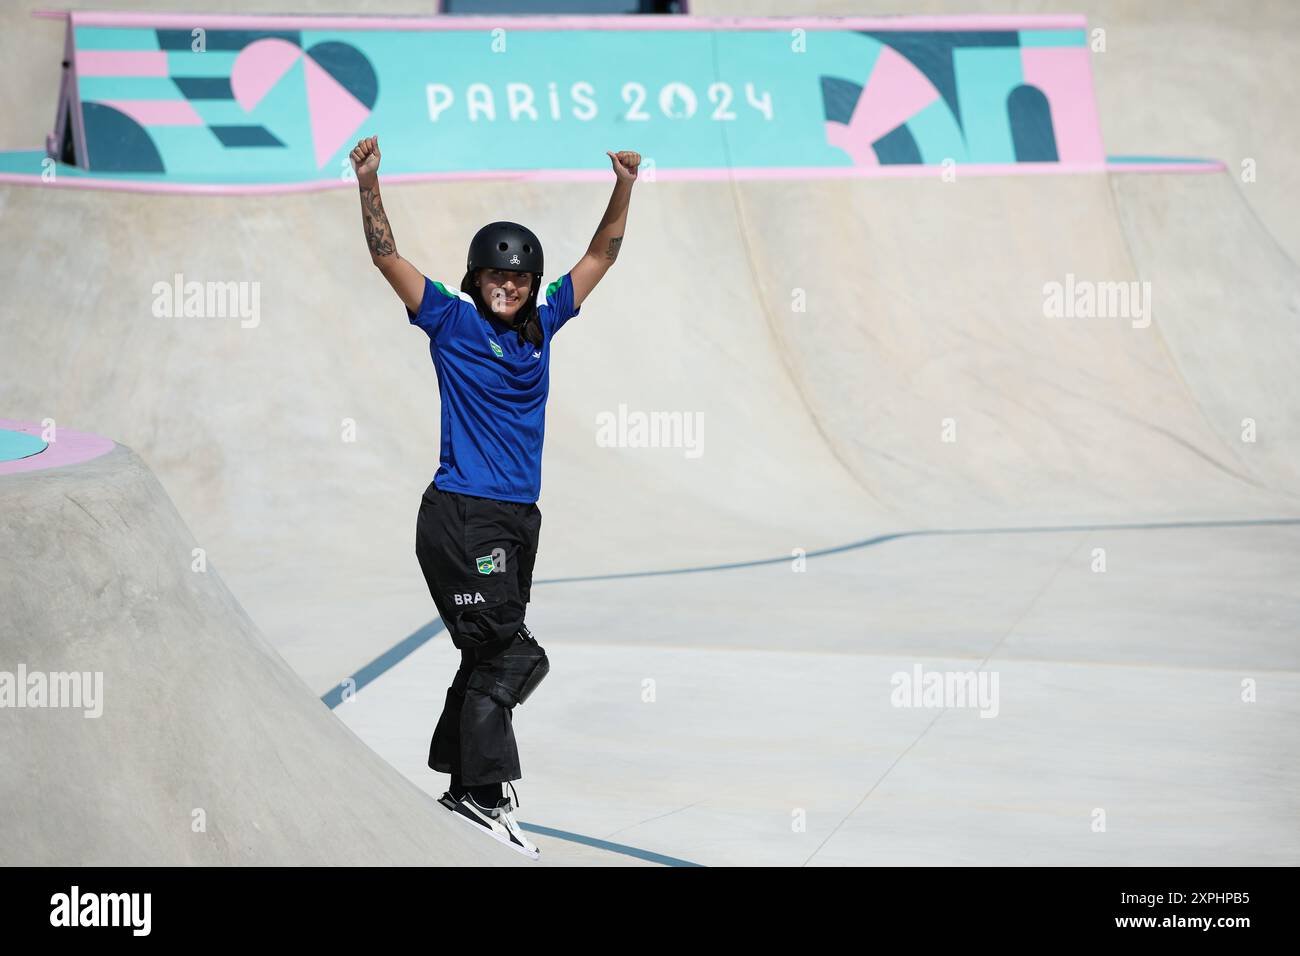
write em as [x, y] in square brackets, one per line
[485, 565]
[496, 349]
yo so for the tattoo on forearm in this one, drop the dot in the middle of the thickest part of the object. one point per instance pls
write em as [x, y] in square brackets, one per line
[379, 234]
[611, 251]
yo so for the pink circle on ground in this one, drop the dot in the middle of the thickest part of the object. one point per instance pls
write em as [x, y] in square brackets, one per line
[68, 448]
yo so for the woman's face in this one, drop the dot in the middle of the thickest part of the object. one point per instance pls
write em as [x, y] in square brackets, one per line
[504, 292]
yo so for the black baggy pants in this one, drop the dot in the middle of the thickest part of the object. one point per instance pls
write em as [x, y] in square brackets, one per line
[477, 556]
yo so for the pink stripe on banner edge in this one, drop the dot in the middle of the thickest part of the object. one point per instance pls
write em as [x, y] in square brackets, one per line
[158, 112]
[593, 175]
[122, 62]
[69, 448]
[98, 18]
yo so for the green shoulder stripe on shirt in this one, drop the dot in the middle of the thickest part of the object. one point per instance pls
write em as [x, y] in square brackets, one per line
[456, 294]
[550, 289]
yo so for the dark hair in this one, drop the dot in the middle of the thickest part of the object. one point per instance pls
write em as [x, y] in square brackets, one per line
[528, 323]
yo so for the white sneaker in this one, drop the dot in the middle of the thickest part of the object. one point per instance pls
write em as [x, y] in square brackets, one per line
[497, 821]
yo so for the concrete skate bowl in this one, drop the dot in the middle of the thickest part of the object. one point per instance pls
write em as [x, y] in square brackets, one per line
[823, 441]
[148, 722]
[1069, 418]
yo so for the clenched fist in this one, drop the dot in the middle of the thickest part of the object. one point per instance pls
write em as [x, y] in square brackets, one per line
[365, 160]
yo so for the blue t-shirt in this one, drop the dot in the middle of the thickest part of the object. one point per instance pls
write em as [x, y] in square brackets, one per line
[493, 387]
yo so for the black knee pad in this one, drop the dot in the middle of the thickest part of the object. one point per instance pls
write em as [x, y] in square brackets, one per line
[511, 676]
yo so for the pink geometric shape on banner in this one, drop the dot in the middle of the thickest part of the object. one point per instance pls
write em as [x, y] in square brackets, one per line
[121, 63]
[859, 150]
[260, 66]
[895, 92]
[335, 113]
[158, 112]
[1065, 78]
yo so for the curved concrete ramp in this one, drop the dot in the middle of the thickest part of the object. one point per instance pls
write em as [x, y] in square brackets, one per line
[926, 304]
[199, 719]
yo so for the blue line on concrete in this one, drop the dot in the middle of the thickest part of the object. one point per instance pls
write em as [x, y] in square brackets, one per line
[623, 848]
[935, 532]
[384, 662]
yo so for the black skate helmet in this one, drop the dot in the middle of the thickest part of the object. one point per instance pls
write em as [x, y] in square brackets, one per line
[505, 245]
[513, 248]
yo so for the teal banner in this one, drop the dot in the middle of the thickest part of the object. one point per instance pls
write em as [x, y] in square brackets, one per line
[282, 100]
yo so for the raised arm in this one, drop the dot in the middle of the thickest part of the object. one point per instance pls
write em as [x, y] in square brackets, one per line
[407, 281]
[602, 252]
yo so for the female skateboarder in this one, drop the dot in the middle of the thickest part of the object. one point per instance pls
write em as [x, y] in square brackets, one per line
[476, 533]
